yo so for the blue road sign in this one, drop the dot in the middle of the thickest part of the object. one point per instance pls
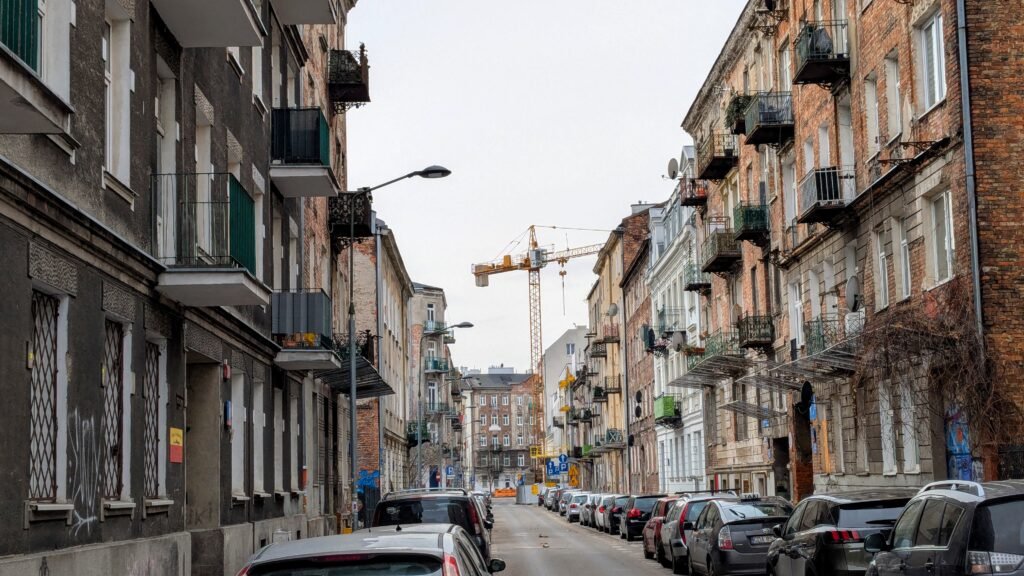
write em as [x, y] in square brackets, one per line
[562, 458]
[450, 471]
[552, 468]
[563, 467]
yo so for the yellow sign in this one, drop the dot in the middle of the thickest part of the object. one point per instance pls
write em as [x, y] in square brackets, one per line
[535, 489]
[574, 475]
[176, 453]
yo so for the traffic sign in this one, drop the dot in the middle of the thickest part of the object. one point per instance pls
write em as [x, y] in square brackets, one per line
[562, 458]
[574, 476]
[449, 471]
[563, 467]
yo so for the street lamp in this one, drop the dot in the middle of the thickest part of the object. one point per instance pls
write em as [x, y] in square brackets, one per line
[423, 376]
[434, 171]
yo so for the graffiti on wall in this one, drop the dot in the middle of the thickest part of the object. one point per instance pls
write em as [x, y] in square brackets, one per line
[83, 473]
[960, 463]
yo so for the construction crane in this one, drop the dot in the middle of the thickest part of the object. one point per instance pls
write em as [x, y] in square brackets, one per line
[533, 261]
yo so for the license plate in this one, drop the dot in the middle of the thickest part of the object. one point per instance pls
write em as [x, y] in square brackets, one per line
[761, 539]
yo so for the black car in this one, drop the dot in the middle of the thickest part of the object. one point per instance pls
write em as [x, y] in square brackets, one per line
[436, 507]
[611, 526]
[733, 537]
[673, 550]
[955, 527]
[825, 534]
[635, 513]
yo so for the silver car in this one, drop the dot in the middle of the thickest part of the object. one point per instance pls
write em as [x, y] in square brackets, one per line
[575, 506]
[588, 515]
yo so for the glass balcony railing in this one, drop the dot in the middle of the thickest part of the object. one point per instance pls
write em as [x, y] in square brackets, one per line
[435, 365]
[300, 136]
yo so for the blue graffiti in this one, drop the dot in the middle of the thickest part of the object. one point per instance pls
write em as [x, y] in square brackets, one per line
[367, 479]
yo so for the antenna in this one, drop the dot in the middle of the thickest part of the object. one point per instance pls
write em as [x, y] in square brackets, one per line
[673, 169]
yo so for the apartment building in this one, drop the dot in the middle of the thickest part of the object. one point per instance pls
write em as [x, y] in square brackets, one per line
[498, 410]
[641, 437]
[563, 358]
[676, 282]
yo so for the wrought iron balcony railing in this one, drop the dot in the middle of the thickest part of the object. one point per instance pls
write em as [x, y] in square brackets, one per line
[599, 394]
[669, 321]
[825, 193]
[694, 280]
[769, 118]
[750, 222]
[717, 156]
[693, 192]
[756, 332]
[348, 79]
[720, 251]
[613, 384]
[717, 345]
[822, 53]
[598, 350]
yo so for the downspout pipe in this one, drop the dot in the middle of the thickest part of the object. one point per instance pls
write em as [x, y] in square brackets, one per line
[972, 192]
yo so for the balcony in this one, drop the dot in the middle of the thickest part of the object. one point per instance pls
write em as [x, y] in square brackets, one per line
[27, 104]
[585, 415]
[598, 350]
[348, 79]
[751, 222]
[599, 395]
[557, 422]
[212, 258]
[291, 12]
[300, 153]
[456, 422]
[829, 331]
[720, 251]
[211, 23]
[358, 207]
[301, 325]
[717, 156]
[435, 365]
[669, 321]
[431, 327]
[693, 192]
[415, 431]
[769, 119]
[756, 332]
[668, 411]
[721, 357]
[437, 408]
[610, 333]
[822, 53]
[586, 451]
[613, 384]
[614, 439]
[694, 280]
[825, 193]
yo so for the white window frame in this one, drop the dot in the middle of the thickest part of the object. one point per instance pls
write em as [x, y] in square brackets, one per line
[294, 438]
[521, 460]
[239, 417]
[519, 440]
[494, 419]
[483, 401]
[504, 419]
[881, 271]
[118, 86]
[908, 429]
[941, 249]
[259, 422]
[888, 430]
[893, 97]
[278, 395]
[483, 440]
[519, 420]
[900, 231]
[871, 120]
[504, 399]
[61, 402]
[505, 440]
[932, 74]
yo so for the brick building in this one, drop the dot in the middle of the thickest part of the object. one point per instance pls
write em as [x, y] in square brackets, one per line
[498, 412]
[641, 438]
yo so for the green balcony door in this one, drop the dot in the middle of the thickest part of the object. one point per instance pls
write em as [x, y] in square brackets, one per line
[243, 226]
[19, 29]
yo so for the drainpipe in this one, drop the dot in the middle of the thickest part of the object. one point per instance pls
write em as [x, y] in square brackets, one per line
[972, 194]
[380, 358]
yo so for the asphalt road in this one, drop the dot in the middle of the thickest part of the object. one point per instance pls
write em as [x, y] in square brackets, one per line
[522, 531]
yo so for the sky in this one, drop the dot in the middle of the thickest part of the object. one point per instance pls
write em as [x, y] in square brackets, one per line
[548, 112]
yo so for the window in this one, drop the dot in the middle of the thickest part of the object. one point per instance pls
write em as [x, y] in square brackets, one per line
[931, 47]
[521, 460]
[483, 419]
[507, 460]
[519, 400]
[278, 434]
[504, 419]
[785, 78]
[930, 524]
[294, 439]
[48, 398]
[911, 454]
[494, 440]
[943, 245]
[906, 527]
[483, 440]
[238, 420]
[871, 109]
[258, 425]
[504, 400]
[257, 74]
[533, 421]
[796, 313]
[505, 440]
[950, 517]
[881, 272]
[570, 349]
[494, 401]
[108, 100]
[903, 256]
[494, 419]
[430, 313]
[117, 79]
[892, 96]
[519, 440]
[154, 402]
[483, 401]
[519, 420]
[888, 430]
[113, 437]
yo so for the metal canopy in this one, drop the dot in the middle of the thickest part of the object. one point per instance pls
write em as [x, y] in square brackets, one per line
[832, 363]
[748, 409]
[710, 371]
[369, 383]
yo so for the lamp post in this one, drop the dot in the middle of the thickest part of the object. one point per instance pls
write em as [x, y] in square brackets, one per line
[419, 394]
[428, 172]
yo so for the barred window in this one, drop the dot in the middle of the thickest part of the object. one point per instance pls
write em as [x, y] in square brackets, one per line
[151, 431]
[113, 410]
[43, 398]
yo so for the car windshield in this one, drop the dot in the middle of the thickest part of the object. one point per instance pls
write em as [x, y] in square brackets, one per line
[873, 514]
[354, 565]
[646, 504]
[999, 527]
[426, 511]
[579, 499]
[621, 500]
[748, 510]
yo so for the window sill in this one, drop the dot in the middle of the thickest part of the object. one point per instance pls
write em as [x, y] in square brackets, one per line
[939, 284]
[236, 65]
[239, 499]
[934, 107]
[111, 182]
[153, 506]
[894, 139]
[112, 508]
[47, 511]
[261, 495]
[257, 103]
[281, 494]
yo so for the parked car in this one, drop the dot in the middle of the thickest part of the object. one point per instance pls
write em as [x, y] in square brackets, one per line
[486, 496]
[435, 507]
[825, 534]
[604, 508]
[541, 493]
[575, 506]
[652, 530]
[483, 508]
[733, 536]
[635, 514]
[612, 522]
[588, 515]
[419, 549]
[551, 498]
[563, 501]
[955, 527]
[673, 551]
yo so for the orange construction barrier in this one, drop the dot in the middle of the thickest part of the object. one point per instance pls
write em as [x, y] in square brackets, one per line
[505, 493]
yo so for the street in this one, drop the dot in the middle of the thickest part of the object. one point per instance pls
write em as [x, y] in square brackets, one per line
[521, 532]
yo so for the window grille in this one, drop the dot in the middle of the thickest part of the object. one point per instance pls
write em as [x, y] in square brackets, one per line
[113, 386]
[151, 432]
[43, 423]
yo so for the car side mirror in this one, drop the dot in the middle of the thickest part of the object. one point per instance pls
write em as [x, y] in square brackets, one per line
[687, 525]
[875, 543]
[777, 530]
[496, 565]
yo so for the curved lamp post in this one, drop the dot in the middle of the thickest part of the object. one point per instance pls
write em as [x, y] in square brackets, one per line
[431, 172]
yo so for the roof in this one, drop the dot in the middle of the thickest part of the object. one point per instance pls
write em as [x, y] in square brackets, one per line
[414, 538]
[496, 381]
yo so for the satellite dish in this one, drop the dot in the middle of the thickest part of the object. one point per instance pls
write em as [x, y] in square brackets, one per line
[613, 310]
[639, 397]
[854, 298]
[637, 412]
[677, 338]
[673, 168]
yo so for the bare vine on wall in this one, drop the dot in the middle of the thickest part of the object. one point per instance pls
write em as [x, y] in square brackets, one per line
[934, 350]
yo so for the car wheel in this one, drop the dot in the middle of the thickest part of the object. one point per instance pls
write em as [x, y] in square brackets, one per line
[689, 566]
[711, 568]
[629, 537]
[647, 555]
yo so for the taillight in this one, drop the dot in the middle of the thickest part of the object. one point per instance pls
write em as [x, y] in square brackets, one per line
[617, 509]
[245, 570]
[634, 513]
[474, 519]
[725, 539]
[601, 509]
[679, 526]
[992, 562]
[451, 565]
[843, 536]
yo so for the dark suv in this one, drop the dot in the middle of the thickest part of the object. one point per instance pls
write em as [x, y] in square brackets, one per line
[955, 527]
[635, 514]
[732, 537]
[826, 532]
[436, 507]
[673, 551]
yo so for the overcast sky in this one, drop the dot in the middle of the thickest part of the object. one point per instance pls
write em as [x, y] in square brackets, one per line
[548, 112]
